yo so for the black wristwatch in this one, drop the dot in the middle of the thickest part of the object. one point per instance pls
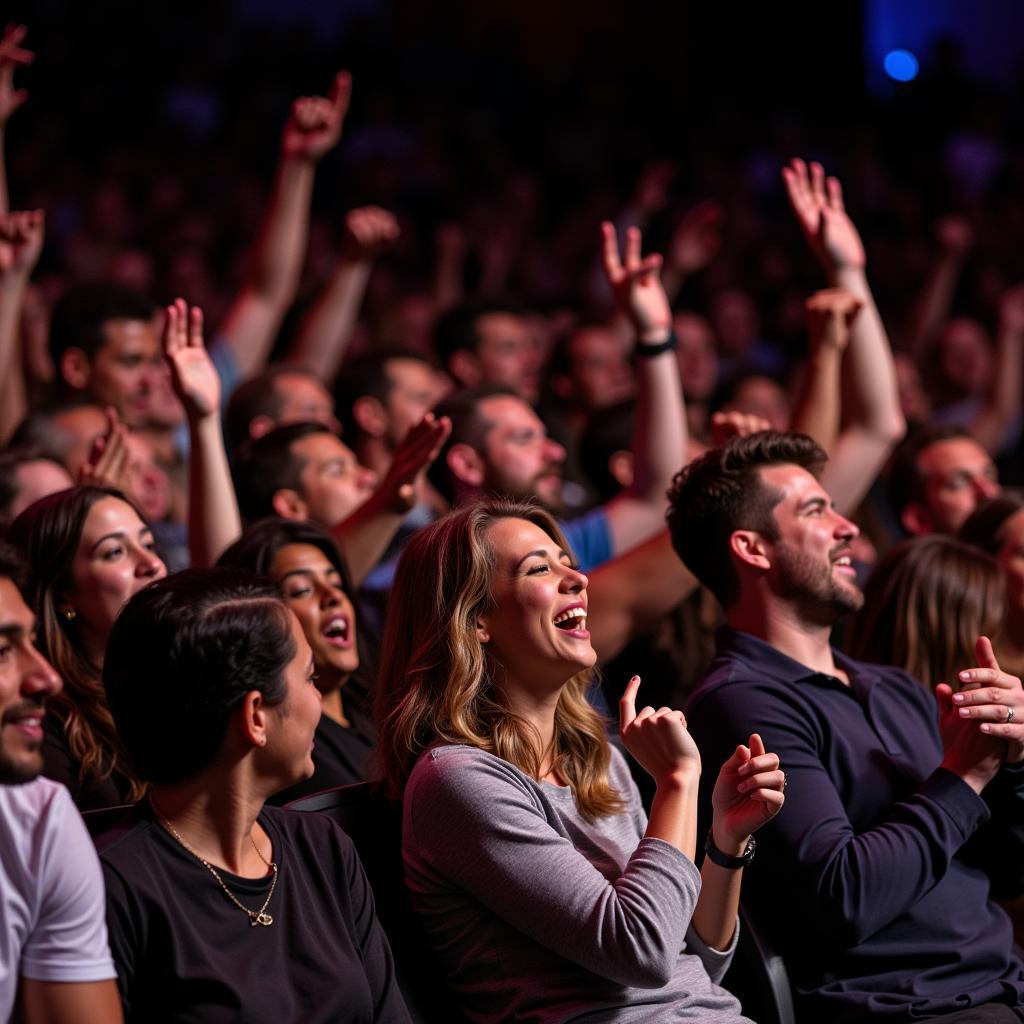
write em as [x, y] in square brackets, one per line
[648, 349]
[723, 860]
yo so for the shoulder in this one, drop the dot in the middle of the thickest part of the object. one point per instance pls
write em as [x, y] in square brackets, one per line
[590, 538]
[35, 817]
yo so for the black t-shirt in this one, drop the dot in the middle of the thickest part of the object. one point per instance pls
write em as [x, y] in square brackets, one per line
[341, 756]
[185, 953]
[61, 765]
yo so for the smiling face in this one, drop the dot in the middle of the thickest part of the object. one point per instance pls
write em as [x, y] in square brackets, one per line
[958, 474]
[26, 680]
[536, 630]
[314, 591]
[116, 557]
[125, 371]
[810, 564]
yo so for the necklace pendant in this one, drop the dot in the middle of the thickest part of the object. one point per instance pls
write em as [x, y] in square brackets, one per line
[262, 919]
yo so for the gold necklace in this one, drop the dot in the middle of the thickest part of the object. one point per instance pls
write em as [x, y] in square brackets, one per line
[256, 917]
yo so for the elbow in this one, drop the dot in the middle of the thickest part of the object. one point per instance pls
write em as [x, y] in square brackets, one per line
[893, 428]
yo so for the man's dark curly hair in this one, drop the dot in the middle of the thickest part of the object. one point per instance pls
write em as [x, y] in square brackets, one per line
[722, 492]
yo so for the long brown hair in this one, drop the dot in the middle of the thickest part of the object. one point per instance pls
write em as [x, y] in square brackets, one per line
[925, 604]
[48, 533]
[436, 682]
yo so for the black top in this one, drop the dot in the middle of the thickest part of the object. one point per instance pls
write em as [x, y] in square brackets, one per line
[62, 766]
[874, 878]
[341, 756]
[185, 953]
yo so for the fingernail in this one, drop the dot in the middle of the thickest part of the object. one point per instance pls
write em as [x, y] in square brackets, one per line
[966, 676]
[745, 769]
[986, 728]
[743, 787]
[958, 698]
[965, 712]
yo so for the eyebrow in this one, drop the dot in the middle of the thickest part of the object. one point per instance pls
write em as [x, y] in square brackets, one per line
[816, 500]
[13, 631]
[330, 571]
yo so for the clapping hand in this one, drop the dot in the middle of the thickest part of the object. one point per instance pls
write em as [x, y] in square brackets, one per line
[994, 699]
[749, 792]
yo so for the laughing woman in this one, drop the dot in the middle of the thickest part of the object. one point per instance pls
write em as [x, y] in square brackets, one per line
[305, 563]
[544, 890]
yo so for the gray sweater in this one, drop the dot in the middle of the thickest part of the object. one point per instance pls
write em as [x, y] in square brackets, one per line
[538, 915]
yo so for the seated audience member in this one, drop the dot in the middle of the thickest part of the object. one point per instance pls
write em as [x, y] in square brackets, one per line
[279, 396]
[27, 474]
[104, 344]
[926, 603]
[219, 908]
[997, 526]
[937, 478]
[523, 831]
[305, 563]
[65, 431]
[88, 550]
[55, 960]
[877, 881]
[489, 343]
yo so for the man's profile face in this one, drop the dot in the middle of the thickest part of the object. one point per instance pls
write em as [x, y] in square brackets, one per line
[125, 370]
[521, 461]
[333, 482]
[26, 680]
[959, 474]
[811, 562]
[415, 389]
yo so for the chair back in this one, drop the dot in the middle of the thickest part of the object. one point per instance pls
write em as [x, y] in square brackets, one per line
[758, 976]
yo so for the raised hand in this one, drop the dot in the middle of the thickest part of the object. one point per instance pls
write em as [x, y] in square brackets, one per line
[697, 239]
[109, 461]
[413, 456]
[954, 235]
[21, 241]
[314, 125]
[830, 313]
[658, 739]
[994, 700]
[653, 186]
[817, 201]
[12, 54]
[635, 282]
[727, 425]
[369, 230]
[1011, 310]
[193, 374]
[749, 792]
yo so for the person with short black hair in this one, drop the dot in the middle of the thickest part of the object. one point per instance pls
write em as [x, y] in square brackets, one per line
[877, 884]
[219, 908]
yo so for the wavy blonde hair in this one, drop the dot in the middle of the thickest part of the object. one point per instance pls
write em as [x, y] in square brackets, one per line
[437, 681]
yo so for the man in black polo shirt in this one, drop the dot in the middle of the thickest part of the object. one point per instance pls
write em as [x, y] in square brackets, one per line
[875, 878]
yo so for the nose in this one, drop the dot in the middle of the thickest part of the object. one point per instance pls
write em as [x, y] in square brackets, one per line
[38, 675]
[845, 530]
[984, 488]
[367, 478]
[574, 581]
[330, 595]
[553, 451]
[148, 564]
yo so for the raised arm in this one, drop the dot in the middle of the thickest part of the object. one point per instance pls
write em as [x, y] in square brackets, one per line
[313, 129]
[818, 407]
[632, 592]
[326, 332]
[1003, 403]
[660, 434]
[12, 54]
[365, 535]
[874, 420]
[695, 243]
[21, 242]
[213, 518]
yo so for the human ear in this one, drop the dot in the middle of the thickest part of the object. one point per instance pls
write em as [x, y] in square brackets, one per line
[482, 633]
[252, 719]
[75, 368]
[288, 504]
[750, 548]
[916, 520]
[464, 367]
[369, 414]
[260, 425]
[466, 465]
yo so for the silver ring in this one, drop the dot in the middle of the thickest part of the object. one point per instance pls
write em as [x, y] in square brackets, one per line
[785, 782]
[1010, 714]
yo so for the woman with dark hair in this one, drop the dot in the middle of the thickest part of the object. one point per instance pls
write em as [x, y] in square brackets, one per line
[544, 890]
[997, 526]
[305, 563]
[925, 605]
[89, 550]
[219, 908]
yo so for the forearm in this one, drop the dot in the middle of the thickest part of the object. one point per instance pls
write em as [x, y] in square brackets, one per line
[326, 332]
[5, 199]
[714, 918]
[817, 408]
[364, 536]
[55, 1002]
[933, 305]
[13, 405]
[673, 817]
[213, 518]
[1004, 398]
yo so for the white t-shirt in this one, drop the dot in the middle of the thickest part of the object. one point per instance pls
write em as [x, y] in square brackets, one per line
[52, 908]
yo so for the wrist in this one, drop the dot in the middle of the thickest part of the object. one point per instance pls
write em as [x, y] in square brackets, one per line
[655, 343]
[679, 779]
[725, 841]
[728, 859]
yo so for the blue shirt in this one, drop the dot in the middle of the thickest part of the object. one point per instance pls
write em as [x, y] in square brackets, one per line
[874, 877]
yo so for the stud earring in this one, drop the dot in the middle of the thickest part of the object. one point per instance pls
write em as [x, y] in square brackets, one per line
[69, 614]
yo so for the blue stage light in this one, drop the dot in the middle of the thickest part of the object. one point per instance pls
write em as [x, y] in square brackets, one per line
[901, 65]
